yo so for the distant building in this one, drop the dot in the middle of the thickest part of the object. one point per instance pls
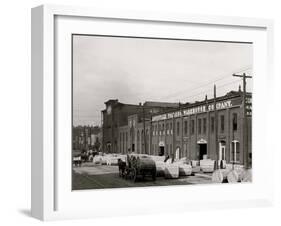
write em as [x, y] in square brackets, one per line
[183, 130]
[85, 137]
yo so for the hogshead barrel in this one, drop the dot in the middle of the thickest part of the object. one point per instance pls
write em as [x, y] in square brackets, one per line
[145, 163]
[143, 166]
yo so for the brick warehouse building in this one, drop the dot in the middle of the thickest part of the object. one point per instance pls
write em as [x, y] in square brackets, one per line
[184, 130]
[115, 119]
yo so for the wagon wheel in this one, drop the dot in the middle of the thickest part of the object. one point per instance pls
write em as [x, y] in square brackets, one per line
[134, 174]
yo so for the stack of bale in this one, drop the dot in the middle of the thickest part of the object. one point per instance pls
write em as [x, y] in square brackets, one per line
[195, 166]
[160, 165]
[171, 170]
[174, 169]
[113, 159]
[232, 174]
[160, 168]
[98, 159]
[207, 165]
[185, 168]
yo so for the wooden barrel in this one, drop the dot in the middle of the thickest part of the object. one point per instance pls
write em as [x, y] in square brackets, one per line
[145, 163]
[144, 166]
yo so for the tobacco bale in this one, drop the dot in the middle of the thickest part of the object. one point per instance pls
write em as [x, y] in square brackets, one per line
[157, 158]
[233, 176]
[112, 161]
[97, 159]
[184, 160]
[169, 161]
[160, 168]
[247, 176]
[219, 176]
[194, 163]
[171, 171]
[185, 170]
[195, 169]
[207, 165]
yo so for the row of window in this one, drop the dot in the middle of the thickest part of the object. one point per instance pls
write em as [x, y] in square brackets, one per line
[201, 126]
[124, 136]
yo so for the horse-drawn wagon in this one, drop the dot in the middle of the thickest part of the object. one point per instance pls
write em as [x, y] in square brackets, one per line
[137, 166]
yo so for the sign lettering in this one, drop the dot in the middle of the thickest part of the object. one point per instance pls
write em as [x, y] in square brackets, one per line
[196, 110]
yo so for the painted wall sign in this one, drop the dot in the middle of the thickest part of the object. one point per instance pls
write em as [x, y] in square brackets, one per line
[202, 141]
[200, 109]
[161, 143]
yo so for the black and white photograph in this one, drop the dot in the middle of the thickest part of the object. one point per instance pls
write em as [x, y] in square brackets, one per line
[160, 111]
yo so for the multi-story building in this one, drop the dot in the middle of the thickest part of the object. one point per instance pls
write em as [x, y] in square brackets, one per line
[85, 137]
[213, 127]
[115, 116]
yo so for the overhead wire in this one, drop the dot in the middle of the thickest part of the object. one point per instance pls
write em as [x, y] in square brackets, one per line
[206, 83]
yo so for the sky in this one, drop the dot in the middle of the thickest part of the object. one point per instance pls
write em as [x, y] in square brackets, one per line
[135, 70]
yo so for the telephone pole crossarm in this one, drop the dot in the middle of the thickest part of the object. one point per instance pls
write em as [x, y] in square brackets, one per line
[242, 76]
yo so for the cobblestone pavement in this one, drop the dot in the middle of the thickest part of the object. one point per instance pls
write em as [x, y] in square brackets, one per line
[91, 176]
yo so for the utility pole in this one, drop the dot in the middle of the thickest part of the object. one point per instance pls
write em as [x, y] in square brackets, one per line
[245, 121]
[144, 134]
[216, 127]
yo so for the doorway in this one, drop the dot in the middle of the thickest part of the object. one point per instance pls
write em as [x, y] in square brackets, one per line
[161, 151]
[133, 147]
[222, 151]
[202, 150]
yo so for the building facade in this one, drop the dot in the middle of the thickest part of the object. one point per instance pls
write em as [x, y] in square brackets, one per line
[86, 137]
[213, 127]
[115, 118]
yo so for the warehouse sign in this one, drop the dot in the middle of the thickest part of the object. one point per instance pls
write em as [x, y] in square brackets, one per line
[248, 106]
[200, 109]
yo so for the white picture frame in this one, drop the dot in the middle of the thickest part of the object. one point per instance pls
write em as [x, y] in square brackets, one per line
[49, 200]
